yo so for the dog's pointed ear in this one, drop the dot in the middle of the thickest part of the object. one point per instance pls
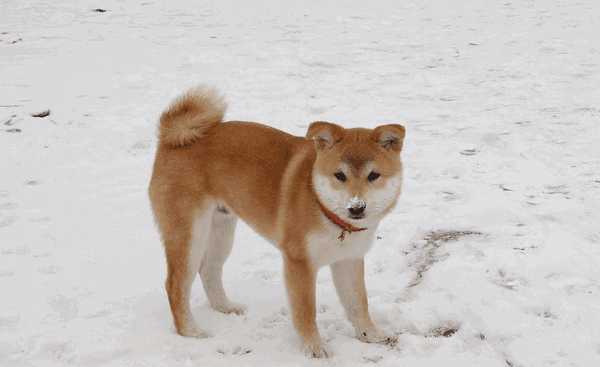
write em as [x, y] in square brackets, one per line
[390, 137]
[324, 134]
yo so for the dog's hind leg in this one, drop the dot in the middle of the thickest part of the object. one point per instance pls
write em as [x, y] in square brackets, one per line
[211, 271]
[185, 246]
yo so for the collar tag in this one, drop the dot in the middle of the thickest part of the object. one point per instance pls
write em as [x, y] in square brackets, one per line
[345, 226]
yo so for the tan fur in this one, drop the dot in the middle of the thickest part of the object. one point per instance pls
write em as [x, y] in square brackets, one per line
[190, 116]
[211, 172]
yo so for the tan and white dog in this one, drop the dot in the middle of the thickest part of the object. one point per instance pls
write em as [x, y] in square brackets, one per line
[319, 199]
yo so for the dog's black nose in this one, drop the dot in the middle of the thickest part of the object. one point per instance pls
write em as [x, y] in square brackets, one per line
[356, 211]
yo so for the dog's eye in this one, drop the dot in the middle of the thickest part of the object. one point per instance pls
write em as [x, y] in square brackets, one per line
[373, 176]
[340, 176]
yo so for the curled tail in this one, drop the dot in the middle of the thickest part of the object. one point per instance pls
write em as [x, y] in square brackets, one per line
[190, 116]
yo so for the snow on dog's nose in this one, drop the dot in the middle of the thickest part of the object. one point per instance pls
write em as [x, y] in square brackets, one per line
[356, 206]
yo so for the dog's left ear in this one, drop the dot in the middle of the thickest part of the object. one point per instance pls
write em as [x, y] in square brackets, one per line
[390, 137]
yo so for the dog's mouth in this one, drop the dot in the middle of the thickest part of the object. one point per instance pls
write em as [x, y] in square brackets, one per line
[356, 216]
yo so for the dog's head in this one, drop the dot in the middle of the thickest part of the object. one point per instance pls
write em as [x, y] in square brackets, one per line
[358, 172]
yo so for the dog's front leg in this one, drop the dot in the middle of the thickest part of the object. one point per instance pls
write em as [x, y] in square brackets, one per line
[300, 278]
[349, 279]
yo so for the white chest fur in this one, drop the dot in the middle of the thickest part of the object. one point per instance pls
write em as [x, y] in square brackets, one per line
[324, 246]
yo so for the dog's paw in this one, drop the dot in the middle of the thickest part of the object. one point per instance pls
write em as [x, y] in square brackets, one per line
[231, 307]
[377, 336]
[316, 350]
[193, 332]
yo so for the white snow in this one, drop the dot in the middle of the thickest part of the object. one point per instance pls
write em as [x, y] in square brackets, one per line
[501, 101]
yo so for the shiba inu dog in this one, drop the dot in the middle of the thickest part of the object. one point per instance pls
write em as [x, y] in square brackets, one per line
[318, 199]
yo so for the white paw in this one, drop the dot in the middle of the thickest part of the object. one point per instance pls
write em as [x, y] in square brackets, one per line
[376, 336]
[231, 307]
[193, 332]
[316, 350]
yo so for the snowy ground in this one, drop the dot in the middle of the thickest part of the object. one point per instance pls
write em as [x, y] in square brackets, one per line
[502, 104]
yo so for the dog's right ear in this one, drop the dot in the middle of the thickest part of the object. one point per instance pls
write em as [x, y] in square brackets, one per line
[324, 134]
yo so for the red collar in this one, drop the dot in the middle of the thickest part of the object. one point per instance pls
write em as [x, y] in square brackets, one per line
[345, 226]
